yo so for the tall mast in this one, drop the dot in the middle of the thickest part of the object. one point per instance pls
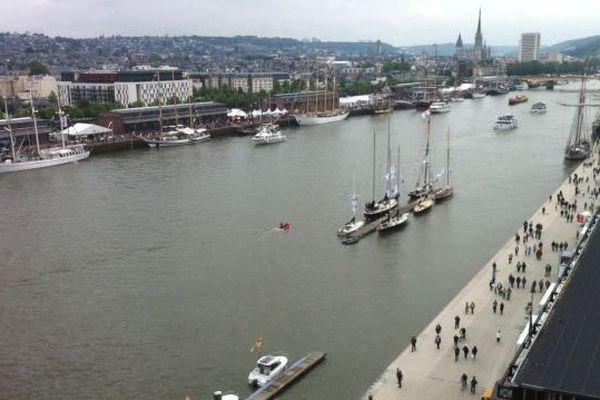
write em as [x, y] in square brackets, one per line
[448, 157]
[374, 148]
[389, 157]
[60, 119]
[160, 93]
[333, 94]
[35, 128]
[174, 96]
[398, 173]
[191, 121]
[12, 143]
[427, 156]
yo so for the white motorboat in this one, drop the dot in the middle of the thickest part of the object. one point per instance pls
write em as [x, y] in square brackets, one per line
[218, 395]
[539, 108]
[268, 368]
[349, 227]
[321, 118]
[506, 122]
[439, 107]
[522, 86]
[424, 205]
[392, 223]
[267, 134]
[479, 95]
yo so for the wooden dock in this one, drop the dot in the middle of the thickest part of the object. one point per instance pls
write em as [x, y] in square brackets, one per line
[370, 226]
[298, 369]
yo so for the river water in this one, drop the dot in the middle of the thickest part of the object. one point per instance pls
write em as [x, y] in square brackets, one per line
[149, 274]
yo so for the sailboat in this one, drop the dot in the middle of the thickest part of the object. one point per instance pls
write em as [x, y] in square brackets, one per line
[41, 158]
[325, 116]
[398, 219]
[375, 209]
[578, 146]
[424, 188]
[445, 191]
[352, 225]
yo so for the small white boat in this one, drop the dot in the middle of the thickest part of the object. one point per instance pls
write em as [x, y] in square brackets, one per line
[393, 223]
[268, 134]
[218, 395]
[506, 122]
[424, 205]
[351, 226]
[439, 107]
[539, 108]
[522, 86]
[267, 369]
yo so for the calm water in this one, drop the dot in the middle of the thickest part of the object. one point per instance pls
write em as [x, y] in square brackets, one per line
[149, 274]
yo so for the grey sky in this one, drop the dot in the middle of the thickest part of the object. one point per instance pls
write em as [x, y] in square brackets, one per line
[399, 22]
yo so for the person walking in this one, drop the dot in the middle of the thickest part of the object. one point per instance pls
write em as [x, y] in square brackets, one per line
[413, 343]
[438, 329]
[501, 307]
[399, 377]
[467, 307]
[455, 340]
[473, 384]
[494, 305]
[472, 306]
[510, 257]
[463, 381]
[456, 322]
[466, 351]
[474, 352]
[518, 282]
[463, 333]
[523, 282]
[456, 353]
[508, 292]
[523, 266]
[437, 341]
[498, 336]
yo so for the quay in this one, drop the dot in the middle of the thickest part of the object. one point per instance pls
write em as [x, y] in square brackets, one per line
[372, 225]
[297, 370]
[431, 373]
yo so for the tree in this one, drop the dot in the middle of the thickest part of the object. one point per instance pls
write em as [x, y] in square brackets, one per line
[52, 99]
[37, 68]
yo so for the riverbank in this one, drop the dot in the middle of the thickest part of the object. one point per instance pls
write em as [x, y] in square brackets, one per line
[431, 373]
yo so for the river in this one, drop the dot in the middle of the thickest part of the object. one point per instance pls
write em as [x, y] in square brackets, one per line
[149, 274]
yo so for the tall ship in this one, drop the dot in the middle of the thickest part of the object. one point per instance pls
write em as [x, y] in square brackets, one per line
[446, 191]
[424, 186]
[324, 116]
[40, 158]
[578, 145]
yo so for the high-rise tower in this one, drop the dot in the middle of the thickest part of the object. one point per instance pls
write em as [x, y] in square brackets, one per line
[478, 47]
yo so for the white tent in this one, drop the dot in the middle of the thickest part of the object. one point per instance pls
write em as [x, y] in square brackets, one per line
[80, 129]
[277, 111]
[236, 112]
[256, 113]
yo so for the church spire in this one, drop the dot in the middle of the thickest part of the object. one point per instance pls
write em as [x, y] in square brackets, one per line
[478, 35]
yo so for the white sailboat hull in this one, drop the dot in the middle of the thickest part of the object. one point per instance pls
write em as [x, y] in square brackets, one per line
[179, 142]
[318, 120]
[43, 163]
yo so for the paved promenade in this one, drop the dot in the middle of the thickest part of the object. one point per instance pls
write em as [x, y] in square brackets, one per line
[429, 373]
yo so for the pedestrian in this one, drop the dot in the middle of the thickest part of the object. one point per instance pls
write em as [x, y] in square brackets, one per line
[474, 352]
[541, 284]
[498, 336]
[543, 210]
[523, 266]
[494, 266]
[437, 341]
[463, 333]
[456, 353]
[501, 307]
[456, 322]
[413, 343]
[518, 267]
[370, 397]
[510, 256]
[473, 384]
[508, 292]
[518, 282]
[438, 329]
[516, 251]
[463, 381]
[399, 377]
[467, 307]
[455, 340]
[494, 305]
[472, 306]
[466, 351]
[523, 282]
[533, 285]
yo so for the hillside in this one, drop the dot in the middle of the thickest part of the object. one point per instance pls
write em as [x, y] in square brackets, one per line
[583, 47]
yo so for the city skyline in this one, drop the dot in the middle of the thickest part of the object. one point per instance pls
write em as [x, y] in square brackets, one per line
[411, 22]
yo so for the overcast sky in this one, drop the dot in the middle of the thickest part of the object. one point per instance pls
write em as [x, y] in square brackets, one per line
[398, 22]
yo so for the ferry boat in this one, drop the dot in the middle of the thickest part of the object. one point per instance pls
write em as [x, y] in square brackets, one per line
[506, 122]
[522, 98]
[539, 108]
[439, 107]
[268, 134]
[267, 369]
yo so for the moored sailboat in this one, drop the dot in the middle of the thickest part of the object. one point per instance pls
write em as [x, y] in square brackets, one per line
[445, 191]
[396, 219]
[325, 116]
[352, 225]
[424, 185]
[578, 145]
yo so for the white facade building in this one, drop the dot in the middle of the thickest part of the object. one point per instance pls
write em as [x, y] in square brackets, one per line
[529, 47]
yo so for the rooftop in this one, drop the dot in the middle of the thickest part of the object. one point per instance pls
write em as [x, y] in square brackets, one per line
[566, 355]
